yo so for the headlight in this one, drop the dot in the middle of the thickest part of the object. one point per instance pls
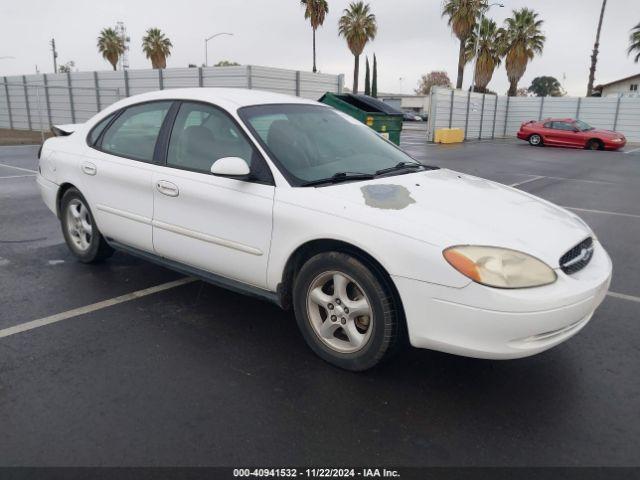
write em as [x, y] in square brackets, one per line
[499, 267]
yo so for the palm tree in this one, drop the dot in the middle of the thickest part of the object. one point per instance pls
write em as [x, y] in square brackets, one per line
[463, 16]
[490, 51]
[358, 26]
[523, 39]
[594, 55]
[315, 11]
[111, 46]
[157, 47]
[634, 42]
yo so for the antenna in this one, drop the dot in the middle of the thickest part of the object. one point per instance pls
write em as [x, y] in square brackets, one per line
[123, 61]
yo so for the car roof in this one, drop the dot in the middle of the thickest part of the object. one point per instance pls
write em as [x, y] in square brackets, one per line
[228, 97]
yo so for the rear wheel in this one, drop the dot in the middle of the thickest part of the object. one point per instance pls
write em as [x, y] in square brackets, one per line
[594, 145]
[535, 140]
[345, 313]
[80, 230]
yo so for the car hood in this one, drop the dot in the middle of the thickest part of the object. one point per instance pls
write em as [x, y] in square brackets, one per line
[446, 208]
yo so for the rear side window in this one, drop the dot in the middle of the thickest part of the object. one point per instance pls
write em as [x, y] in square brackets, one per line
[135, 132]
[94, 135]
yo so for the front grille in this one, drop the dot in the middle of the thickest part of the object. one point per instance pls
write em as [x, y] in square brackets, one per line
[578, 257]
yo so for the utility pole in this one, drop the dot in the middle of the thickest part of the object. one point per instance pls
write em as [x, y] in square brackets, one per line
[55, 55]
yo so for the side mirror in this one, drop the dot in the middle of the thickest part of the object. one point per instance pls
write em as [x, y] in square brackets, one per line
[230, 167]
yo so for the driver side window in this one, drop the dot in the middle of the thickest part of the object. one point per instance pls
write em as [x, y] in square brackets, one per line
[203, 134]
[563, 126]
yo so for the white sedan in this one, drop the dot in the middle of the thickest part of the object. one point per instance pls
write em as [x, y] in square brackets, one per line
[289, 200]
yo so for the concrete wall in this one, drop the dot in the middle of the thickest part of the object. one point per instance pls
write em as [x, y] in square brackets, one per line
[485, 116]
[29, 102]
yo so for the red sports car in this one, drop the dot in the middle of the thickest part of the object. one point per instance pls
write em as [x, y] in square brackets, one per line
[567, 132]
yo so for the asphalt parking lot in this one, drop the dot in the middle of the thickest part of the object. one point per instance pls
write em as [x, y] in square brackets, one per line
[196, 375]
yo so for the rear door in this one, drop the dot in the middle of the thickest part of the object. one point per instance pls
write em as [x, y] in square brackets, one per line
[118, 173]
[217, 224]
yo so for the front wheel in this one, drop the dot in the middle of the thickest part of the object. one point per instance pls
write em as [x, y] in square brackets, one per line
[594, 145]
[80, 230]
[345, 312]
[535, 140]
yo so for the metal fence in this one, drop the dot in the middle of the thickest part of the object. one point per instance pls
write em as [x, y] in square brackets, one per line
[35, 102]
[485, 116]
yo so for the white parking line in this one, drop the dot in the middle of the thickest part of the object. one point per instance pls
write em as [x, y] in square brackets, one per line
[41, 322]
[18, 146]
[624, 296]
[19, 176]
[631, 151]
[517, 184]
[631, 215]
[18, 168]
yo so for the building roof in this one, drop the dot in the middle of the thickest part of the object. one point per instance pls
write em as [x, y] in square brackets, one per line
[637, 75]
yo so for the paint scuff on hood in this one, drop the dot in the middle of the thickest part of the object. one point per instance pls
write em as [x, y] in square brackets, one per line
[387, 197]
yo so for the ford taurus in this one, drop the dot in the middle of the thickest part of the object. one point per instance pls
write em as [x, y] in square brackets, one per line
[292, 201]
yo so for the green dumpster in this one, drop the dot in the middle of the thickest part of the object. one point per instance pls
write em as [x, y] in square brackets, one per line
[383, 118]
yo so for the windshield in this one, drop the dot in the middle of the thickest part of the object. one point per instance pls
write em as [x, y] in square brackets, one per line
[582, 126]
[311, 142]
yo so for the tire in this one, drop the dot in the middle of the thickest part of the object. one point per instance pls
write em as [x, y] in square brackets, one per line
[349, 341]
[80, 230]
[594, 145]
[536, 140]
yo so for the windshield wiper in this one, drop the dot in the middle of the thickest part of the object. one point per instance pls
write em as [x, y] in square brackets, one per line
[339, 177]
[401, 166]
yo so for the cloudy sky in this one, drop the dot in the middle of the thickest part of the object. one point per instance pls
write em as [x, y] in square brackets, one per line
[412, 37]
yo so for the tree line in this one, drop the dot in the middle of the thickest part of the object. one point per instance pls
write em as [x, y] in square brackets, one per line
[517, 42]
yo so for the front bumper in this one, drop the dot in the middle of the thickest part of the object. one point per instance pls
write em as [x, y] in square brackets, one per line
[610, 145]
[482, 322]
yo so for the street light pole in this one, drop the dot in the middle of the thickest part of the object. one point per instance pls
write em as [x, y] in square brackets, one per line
[206, 41]
[477, 47]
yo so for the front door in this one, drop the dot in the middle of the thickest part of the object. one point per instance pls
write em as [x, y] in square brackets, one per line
[221, 225]
[565, 134]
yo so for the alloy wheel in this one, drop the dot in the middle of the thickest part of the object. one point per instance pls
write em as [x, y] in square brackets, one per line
[79, 224]
[339, 312]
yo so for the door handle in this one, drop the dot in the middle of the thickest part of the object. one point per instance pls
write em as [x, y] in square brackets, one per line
[167, 188]
[89, 168]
